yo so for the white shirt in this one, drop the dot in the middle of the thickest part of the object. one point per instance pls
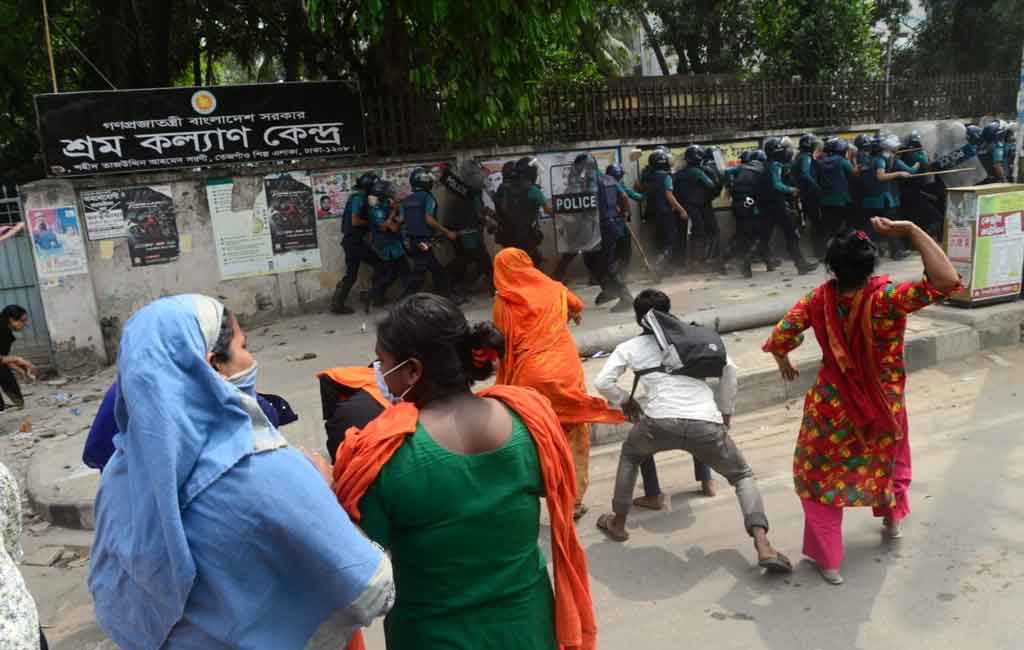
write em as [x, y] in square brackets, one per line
[668, 396]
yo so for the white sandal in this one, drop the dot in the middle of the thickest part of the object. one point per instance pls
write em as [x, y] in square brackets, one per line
[831, 576]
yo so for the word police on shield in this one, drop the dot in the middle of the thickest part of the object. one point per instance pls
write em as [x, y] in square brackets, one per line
[573, 203]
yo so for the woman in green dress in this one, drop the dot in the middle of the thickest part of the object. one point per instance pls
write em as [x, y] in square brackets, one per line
[451, 485]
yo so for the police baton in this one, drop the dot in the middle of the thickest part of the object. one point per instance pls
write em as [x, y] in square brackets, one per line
[636, 240]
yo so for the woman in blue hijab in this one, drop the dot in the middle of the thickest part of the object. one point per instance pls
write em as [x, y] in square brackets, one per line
[210, 531]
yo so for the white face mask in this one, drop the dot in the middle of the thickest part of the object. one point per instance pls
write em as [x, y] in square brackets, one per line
[372, 200]
[382, 385]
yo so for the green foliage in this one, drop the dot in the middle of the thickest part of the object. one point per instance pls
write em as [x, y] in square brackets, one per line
[709, 36]
[817, 40]
[968, 36]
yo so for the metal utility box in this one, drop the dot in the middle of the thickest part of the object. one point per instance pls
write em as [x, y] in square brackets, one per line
[985, 241]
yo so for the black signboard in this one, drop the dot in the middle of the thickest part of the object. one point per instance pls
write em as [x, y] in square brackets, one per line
[139, 130]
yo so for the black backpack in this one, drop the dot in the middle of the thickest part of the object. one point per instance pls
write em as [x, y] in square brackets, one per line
[687, 349]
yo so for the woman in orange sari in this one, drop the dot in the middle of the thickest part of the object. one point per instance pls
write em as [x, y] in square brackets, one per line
[853, 448]
[533, 312]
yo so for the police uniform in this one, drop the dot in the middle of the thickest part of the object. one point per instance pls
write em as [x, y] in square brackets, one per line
[464, 216]
[518, 203]
[672, 230]
[837, 210]
[694, 190]
[387, 246]
[415, 209]
[775, 214]
[357, 249]
[882, 198]
[805, 171]
[915, 205]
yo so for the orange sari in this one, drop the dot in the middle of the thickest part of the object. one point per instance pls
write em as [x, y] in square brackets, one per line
[533, 312]
[365, 452]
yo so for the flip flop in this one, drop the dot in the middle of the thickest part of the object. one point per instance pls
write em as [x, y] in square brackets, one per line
[602, 525]
[579, 511]
[778, 564]
[640, 503]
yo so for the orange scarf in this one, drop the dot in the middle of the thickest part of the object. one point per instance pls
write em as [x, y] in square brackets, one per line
[356, 378]
[532, 311]
[365, 452]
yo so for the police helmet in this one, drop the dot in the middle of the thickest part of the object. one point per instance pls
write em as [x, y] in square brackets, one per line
[584, 162]
[615, 171]
[526, 167]
[421, 179]
[694, 155]
[808, 142]
[659, 160]
[913, 140]
[708, 153]
[778, 149]
[759, 155]
[509, 171]
[746, 156]
[383, 189]
[836, 146]
[992, 131]
[863, 141]
[366, 181]
[973, 134]
[888, 142]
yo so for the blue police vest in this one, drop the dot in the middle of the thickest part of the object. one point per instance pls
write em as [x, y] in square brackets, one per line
[833, 179]
[656, 194]
[414, 210]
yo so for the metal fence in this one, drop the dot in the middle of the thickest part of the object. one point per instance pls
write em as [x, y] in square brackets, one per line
[687, 107]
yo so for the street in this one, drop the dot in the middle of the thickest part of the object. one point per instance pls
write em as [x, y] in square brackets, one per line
[686, 575]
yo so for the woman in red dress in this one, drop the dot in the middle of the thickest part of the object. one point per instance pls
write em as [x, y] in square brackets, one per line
[853, 447]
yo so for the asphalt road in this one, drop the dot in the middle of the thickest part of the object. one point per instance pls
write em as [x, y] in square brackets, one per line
[686, 578]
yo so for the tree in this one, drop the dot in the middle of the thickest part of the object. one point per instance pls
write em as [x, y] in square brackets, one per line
[965, 36]
[709, 36]
[817, 40]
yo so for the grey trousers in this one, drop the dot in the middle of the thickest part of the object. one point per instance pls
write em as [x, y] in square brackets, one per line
[708, 442]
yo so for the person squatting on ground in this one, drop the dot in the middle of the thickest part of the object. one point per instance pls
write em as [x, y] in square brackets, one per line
[418, 216]
[694, 189]
[13, 318]
[450, 483]
[853, 449]
[533, 311]
[355, 234]
[465, 215]
[681, 413]
[203, 535]
[518, 204]
[669, 215]
[774, 212]
[881, 193]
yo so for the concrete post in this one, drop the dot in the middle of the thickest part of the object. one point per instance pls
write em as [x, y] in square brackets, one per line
[72, 317]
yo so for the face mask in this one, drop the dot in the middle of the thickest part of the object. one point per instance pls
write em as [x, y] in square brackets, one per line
[245, 381]
[382, 385]
[372, 200]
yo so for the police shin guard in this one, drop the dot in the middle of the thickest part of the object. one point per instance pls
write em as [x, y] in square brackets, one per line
[803, 267]
[340, 297]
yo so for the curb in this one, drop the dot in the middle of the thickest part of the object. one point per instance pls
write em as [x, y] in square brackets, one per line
[973, 331]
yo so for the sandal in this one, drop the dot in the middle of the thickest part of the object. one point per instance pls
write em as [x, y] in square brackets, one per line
[777, 564]
[892, 530]
[650, 503]
[579, 511]
[603, 525]
[830, 576]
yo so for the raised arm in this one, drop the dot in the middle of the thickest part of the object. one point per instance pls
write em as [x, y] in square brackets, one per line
[941, 274]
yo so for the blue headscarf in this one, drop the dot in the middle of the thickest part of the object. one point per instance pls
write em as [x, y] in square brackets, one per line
[183, 426]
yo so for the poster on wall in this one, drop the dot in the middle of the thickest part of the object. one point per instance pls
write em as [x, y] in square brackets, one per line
[103, 212]
[241, 231]
[57, 242]
[331, 190]
[399, 176]
[292, 218]
[152, 225]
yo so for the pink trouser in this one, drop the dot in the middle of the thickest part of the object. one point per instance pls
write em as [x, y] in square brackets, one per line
[823, 533]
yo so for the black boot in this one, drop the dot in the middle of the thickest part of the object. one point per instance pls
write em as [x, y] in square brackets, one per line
[563, 265]
[340, 297]
[625, 302]
[803, 267]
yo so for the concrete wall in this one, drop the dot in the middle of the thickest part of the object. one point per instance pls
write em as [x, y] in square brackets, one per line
[86, 312]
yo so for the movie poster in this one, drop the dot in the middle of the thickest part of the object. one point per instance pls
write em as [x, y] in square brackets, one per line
[290, 207]
[57, 242]
[331, 190]
[152, 224]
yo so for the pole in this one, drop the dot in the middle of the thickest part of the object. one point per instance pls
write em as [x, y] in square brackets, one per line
[1020, 124]
[49, 46]
[640, 248]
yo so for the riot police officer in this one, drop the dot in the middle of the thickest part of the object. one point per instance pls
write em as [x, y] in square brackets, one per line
[355, 229]
[669, 215]
[464, 214]
[418, 215]
[773, 204]
[837, 178]
[518, 206]
[746, 185]
[805, 171]
[916, 205]
[709, 165]
[881, 195]
[992, 152]
[694, 190]
[577, 226]
[623, 242]
[386, 242]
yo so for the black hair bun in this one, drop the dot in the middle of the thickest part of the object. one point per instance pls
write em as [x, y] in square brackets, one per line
[486, 346]
[851, 257]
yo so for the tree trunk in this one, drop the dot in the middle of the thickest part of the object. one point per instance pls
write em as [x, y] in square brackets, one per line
[296, 35]
[210, 76]
[197, 63]
[653, 42]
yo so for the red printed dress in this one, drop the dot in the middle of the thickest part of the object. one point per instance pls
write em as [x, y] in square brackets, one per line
[837, 462]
